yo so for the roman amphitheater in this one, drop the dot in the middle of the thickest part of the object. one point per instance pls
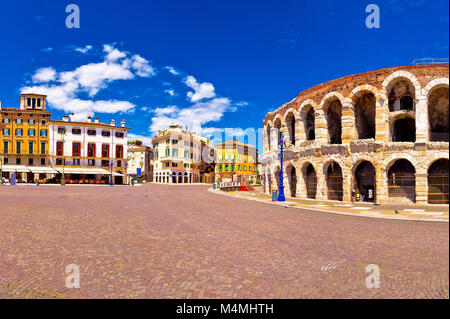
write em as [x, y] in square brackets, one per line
[383, 135]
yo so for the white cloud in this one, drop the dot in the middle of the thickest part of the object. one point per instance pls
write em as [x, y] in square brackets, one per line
[170, 92]
[62, 89]
[202, 91]
[113, 54]
[172, 70]
[44, 75]
[83, 50]
[192, 116]
[142, 67]
[47, 50]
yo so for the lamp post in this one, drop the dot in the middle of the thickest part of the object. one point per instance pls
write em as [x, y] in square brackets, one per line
[111, 179]
[63, 179]
[281, 146]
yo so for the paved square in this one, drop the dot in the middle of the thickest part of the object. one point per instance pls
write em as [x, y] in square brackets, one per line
[158, 241]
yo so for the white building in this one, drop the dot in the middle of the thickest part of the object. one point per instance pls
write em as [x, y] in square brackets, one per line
[140, 157]
[86, 150]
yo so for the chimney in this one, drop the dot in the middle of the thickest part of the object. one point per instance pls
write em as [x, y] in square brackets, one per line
[66, 118]
[122, 123]
[89, 119]
[96, 119]
[113, 123]
[71, 116]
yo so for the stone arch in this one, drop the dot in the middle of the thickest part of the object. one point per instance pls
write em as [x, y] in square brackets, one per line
[291, 118]
[308, 118]
[364, 100]
[291, 173]
[438, 112]
[277, 125]
[332, 106]
[438, 186]
[401, 177]
[309, 175]
[391, 79]
[334, 180]
[364, 179]
[390, 160]
[439, 82]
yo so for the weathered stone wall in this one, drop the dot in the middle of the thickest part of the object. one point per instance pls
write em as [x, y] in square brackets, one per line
[364, 102]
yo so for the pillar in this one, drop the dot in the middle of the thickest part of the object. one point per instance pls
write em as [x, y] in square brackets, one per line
[321, 128]
[348, 122]
[381, 117]
[421, 188]
[422, 126]
[381, 184]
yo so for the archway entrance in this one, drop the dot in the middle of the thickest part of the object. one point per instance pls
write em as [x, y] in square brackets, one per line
[334, 182]
[311, 182]
[293, 181]
[438, 182]
[402, 180]
[365, 181]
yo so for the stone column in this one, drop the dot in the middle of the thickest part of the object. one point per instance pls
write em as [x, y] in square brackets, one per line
[321, 128]
[422, 126]
[381, 117]
[321, 184]
[301, 185]
[347, 177]
[421, 188]
[381, 190]
[348, 122]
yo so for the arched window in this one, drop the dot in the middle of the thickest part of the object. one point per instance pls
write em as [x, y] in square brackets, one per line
[290, 120]
[333, 113]
[39, 102]
[438, 114]
[308, 119]
[365, 116]
[28, 102]
[277, 127]
[34, 102]
[401, 96]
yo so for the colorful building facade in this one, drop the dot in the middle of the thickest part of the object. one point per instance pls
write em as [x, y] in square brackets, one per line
[140, 158]
[86, 150]
[182, 157]
[236, 162]
[24, 144]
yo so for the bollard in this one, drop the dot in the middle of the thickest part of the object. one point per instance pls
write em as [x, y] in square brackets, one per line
[274, 196]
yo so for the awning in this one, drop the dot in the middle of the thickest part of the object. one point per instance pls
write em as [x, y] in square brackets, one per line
[85, 170]
[15, 169]
[42, 170]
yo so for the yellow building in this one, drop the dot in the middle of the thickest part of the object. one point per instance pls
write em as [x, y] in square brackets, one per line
[25, 138]
[236, 162]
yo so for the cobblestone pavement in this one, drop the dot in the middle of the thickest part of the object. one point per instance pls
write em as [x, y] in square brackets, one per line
[159, 241]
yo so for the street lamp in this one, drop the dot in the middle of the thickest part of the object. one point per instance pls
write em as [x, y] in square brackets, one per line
[111, 179]
[63, 179]
[281, 146]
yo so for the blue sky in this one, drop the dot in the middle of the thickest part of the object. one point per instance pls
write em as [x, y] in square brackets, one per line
[218, 64]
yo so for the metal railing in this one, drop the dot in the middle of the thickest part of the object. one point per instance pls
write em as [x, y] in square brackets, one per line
[424, 61]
